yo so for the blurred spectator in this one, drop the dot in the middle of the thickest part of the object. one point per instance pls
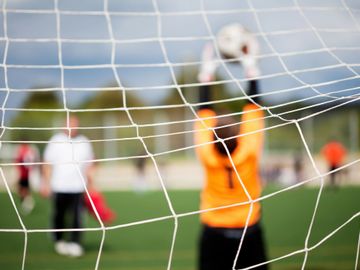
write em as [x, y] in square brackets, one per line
[287, 176]
[140, 180]
[26, 156]
[68, 156]
[298, 167]
[334, 153]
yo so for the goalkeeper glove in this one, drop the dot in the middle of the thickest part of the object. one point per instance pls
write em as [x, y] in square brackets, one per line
[208, 66]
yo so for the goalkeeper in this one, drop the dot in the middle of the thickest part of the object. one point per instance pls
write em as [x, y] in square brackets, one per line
[222, 229]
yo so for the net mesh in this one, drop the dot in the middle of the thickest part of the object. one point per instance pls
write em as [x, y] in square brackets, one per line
[309, 57]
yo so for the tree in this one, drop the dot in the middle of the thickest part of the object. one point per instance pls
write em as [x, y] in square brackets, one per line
[106, 109]
[37, 120]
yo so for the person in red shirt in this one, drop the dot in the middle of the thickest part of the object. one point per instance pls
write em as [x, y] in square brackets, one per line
[334, 153]
[26, 155]
[230, 180]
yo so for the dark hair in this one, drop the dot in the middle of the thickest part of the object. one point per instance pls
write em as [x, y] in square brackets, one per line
[226, 127]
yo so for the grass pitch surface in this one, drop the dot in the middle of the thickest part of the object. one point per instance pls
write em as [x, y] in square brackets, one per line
[286, 219]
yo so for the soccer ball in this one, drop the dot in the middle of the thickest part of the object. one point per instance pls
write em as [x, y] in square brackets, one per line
[234, 41]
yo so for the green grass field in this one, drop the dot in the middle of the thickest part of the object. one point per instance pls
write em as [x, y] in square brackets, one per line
[286, 219]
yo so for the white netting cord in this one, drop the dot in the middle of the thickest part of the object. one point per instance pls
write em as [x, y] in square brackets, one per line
[174, 80]
[261, 198]
[308, 152]
[171, 208]
[188, 85]
[322, 40]
[250, 199]
[176, 13]
[306, 249]
[297, 125]
[357, 253]
[24, 229]
[174, 106]
[316, 245]
[316, 178]
[348, 100]
[282, 62]
[188, 64]
[69, 130]
[6, 82]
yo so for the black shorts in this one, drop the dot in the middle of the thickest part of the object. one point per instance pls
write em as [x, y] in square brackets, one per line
[24, 183]
[218, 248]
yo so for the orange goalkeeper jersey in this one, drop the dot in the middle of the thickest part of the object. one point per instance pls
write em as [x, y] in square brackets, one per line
[222, 185]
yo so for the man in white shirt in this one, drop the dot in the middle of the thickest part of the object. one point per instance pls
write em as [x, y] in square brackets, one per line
[68, 157]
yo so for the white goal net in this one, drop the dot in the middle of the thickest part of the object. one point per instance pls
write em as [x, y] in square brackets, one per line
[128, 69]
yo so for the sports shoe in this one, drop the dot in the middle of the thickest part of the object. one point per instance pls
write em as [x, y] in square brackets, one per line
[74, 250]
[27, 205]
[61, 247]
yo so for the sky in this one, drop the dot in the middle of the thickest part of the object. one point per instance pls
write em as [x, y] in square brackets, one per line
[321, 37]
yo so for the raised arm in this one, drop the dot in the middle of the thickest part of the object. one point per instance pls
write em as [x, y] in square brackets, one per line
[253, 91]
[253, 123]
[203, 129]
[206, 75]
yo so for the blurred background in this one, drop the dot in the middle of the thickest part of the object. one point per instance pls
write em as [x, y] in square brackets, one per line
[107, 60]
[309, 62]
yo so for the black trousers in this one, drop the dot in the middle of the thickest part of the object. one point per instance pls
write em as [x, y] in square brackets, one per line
[335, 176]
[67, 207]
[218, 248]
